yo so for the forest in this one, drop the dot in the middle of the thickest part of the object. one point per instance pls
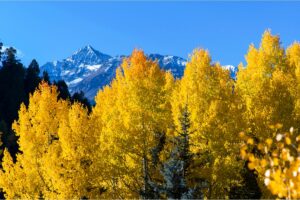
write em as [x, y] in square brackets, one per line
[151, 136]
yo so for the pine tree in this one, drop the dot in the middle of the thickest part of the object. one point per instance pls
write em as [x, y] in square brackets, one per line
[1, 46]
[177, 169]
[12, 94]
[11, 86]
[63, 90]
[177, 181]
[32, 79]
[46, 77]
[79, 97]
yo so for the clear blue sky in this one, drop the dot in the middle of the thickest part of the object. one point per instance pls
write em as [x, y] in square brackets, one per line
[54, 30]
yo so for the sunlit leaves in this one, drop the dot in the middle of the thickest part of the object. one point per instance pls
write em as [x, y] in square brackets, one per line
[207, 90]
[133, 111]
[65, 152]
[58, 145]
[276, 160]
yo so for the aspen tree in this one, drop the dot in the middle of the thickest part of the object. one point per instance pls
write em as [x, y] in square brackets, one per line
[207, 89]
[133, 112]
[265, 86]
[37, 129]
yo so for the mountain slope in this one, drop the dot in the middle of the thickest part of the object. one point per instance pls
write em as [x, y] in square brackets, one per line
[75, 68]
[88, 70]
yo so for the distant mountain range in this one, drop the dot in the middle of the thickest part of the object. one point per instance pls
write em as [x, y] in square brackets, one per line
[88, 70]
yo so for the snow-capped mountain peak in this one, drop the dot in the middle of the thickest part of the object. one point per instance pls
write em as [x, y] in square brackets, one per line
[88, 55]
[75, 68]
[88, 70]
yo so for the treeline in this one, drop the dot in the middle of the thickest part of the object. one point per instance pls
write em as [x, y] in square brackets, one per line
[17, 83]
[151, 136]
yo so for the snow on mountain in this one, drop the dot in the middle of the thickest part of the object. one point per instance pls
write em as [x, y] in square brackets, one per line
[89, 56]
[88, 70]
[232, 69]
[81, 64]
[173, 63]
[95, 81]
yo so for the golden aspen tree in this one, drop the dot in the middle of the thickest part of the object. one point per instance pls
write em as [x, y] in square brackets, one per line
[58, 144]
[37, 129]
[132, 113]
[207, 90]
[265, 86]
[76, 172]
[293, 59]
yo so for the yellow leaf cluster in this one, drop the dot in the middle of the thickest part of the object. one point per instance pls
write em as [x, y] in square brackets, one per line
[277, 163]
[67, 152]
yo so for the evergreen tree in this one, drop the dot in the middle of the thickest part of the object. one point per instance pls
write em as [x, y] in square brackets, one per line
[12, 94]
[11, 86]
[1, 45]
[177, 181]
[79, 97]
[249, 188]
[32, 78]
[2, 129]
[46, 77]
[63, 90]
[175, 170]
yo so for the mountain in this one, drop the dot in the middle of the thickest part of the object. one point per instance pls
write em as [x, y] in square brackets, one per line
[88, 70]
[232, 69]
[99, 78]
[75, 68]
[173, 63]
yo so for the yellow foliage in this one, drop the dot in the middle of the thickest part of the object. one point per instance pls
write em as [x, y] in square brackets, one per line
[134, 110]
[65, 152]
[277, 165]
[207, 90]
[55, 161]
[265, 86]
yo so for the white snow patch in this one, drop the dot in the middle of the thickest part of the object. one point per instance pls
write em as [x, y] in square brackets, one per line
[106, 69]
[77, 80]
[93, 67]
[55, 63]
[65, 72]
[168, 57]
[229, 67]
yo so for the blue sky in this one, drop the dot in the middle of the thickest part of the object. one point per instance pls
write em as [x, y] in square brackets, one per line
[54, 30]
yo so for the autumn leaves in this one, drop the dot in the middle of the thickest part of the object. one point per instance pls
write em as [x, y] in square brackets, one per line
[67, 152]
